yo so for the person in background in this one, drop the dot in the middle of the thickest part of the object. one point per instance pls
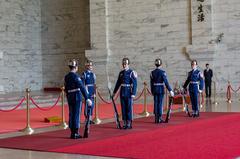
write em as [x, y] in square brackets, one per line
[208, 74]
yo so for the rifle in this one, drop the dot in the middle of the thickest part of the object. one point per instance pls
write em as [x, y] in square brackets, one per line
[169, 109]
[87, 124]
[186, 105]
[116, 115]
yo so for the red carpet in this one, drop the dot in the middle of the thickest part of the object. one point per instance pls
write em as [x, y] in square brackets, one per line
[213, 135]
[16, 120]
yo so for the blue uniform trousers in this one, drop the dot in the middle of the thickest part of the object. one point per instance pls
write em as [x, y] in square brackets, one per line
[126, 106]
[158, 104]
[75, 107]
[194, 101]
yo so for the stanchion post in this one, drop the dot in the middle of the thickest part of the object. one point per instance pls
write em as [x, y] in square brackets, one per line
[28, 129]
[96, 119]
[63, 123]
[166, 92]
[145, 112]
[214, 93]
[229, 91]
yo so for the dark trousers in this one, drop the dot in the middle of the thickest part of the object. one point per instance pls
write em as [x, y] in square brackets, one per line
[158, 104]
[208, 89]
[126, 106]
[194, 101]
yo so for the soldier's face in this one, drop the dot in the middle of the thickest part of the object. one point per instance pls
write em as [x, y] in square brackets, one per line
[194, 65]
[90, 66]
[124, 65]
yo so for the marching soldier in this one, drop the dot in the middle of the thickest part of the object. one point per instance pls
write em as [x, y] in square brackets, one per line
[127, 80]
[89, 80]
[158, 78]
[195, 81]
[74, 89]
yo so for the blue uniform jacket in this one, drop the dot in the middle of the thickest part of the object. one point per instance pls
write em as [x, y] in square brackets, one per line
[195, 81]
[158, 78]
[127, 79]
[89, 80]
[74, 87]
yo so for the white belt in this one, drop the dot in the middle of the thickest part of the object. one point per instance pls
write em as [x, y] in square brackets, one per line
[192, 82]
[73, 90]
[89, 85]
[158, 84]
[125, 85]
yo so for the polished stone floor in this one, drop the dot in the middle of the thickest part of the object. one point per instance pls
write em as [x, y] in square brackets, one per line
[208, 106]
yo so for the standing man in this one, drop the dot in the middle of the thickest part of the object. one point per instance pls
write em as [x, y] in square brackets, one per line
[195, 81]
[127, 80]
[208, 73]
[74, 89]
[158, 78]
[89, 80]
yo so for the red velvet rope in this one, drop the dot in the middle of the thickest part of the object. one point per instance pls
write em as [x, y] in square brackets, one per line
[45, 109]
[18, 105]
[149, 92]
[235, 91]
[135, 99]
[105, 101]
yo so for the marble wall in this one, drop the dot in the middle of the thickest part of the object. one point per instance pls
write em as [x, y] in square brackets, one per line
[65, 35]
[20, 45]
[37, 38]
[170, 29]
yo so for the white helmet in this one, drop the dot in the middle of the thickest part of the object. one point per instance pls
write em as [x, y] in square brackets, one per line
[73, 63]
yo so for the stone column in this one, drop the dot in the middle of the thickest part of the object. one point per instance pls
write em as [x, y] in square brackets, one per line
[100, 51]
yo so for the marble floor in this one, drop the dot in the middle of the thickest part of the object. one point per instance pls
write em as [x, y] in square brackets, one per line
[210, 105]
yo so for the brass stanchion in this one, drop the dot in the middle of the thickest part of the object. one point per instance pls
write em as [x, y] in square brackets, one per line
[229, 93]
[166, 92]
[145, 112]
[96, 119]
[214, 91]
[28, 129]
[63, 123]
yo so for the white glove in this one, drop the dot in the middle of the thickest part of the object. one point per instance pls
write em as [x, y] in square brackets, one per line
[89, 102]
[171, 93]
[133, 96]
[200, 91]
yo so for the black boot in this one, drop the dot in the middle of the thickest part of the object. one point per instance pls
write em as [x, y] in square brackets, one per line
[160, 120]
[124, 124]
[75, 135]
[129, 124]
[156, 118]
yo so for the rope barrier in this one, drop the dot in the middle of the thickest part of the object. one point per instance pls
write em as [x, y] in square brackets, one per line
[15, 107]
[135, 99]
[45, 109]
[105, 101]
[149, 92]
[235, 91]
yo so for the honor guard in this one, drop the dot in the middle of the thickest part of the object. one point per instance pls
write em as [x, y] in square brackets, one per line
[158, 79]
[89, 80]
[127, 81]
[74, 89]
[195, 81]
